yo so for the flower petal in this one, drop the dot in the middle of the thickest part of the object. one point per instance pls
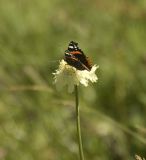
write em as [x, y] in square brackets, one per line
[69, 76]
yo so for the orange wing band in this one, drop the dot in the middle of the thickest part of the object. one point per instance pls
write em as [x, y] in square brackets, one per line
[75, 52]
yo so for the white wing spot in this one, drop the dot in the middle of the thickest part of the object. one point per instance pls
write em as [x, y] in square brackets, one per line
[71, 47]
[67, 53]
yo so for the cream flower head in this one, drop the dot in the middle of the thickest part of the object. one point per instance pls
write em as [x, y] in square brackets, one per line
[69, 76]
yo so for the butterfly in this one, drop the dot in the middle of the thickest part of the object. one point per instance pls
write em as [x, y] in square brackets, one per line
[75, 57]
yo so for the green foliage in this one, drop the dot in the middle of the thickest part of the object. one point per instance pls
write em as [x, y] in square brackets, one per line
[36, 121]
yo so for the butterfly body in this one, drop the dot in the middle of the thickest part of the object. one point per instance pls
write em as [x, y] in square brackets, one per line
[75, 57]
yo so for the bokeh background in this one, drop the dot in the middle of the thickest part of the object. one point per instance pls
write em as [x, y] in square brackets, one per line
[36, 121]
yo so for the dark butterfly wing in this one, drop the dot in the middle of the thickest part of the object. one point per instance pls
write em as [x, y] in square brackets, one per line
[75, 62]
[83, 59]
[75, 57]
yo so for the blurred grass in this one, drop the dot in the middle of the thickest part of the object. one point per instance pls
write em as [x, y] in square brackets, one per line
[36, 122]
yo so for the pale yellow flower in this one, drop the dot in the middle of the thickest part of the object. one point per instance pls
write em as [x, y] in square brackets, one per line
[69, 76]
[137, 157]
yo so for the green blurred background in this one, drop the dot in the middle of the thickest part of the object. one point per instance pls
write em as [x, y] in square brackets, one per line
[36, 121]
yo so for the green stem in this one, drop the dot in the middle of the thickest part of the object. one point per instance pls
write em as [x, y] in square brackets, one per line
[78, 124]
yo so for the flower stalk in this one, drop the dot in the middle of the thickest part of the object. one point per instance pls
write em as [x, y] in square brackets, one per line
[81, 154]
